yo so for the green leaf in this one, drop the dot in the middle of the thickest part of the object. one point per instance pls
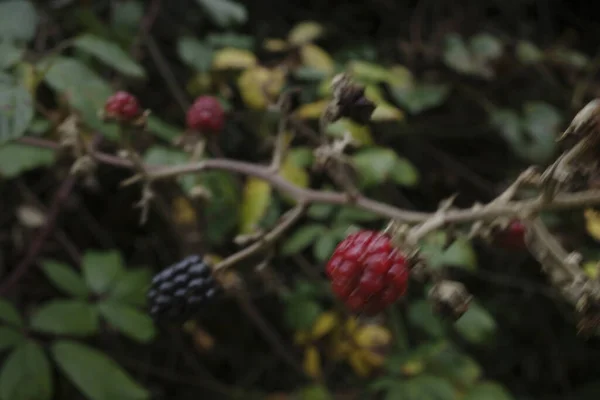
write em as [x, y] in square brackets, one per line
[422, 387]
[18, 20]
[65, 278]
[127, 15]
[320, 211]
[354, 214]
[131, 322]
[315, 392]
[101, 269]
[85, 91]
[195, 53]
[222, 211]
[161, 129]
[476, 325]
[110, 54]
[9, 337]
[131, 287]
[542, 122]
[486, 47]
[528, 53]
[374, 165]
[17, 158]
[10, 54]
[16, 111]
[301, 313]
[302, 238]
[459, 368]
[66, 317]
[421, 315]
[160, 155]
[459, 254]
[9, 314]
[26, 374]
[301, 156]
[421, 97]
[225, 13]
[229, 39]
[323, 247]
[457, 55]
[367, 72]
[488, 391]
[508, 123]
[255, 202]
[404, 173]
[94, 374]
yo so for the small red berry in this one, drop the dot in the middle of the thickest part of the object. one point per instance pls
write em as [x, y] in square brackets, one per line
[513, 237]
[367, 273]
[122, 105]
[206, 115]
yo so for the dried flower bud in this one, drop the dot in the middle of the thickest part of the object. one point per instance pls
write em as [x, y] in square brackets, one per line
[349, 101]
[450, 299]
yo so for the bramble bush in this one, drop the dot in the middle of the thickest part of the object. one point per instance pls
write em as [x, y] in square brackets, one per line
[291, 174]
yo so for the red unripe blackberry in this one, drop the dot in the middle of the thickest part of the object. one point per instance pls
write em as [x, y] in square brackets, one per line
[206, 115]
[182, 289]
[367, 273]
[122, 105]
[513, 237]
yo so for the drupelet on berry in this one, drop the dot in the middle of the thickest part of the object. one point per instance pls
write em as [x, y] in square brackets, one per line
[122, 105]
[183, 289]
[367, 272]
[206, 115]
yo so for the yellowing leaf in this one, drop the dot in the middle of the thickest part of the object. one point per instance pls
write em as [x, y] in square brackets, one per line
[412, 368]
[387, 112]
[365, 71]
[360, 133]
[311, 110]
[400, 77]
[275, 45]
[312, 362]
[592, 269]
[259, 85]
[592, 222]
[324, 324]
[372, 336]
[232, 58]
[315, 57]
[256, 200]
[183, 212]
[373, 93]
[301, 337]
[293, 173]
[358, 363]
[305, 32]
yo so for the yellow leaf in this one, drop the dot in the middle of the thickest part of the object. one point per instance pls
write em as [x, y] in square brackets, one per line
[373, 93]
[259, 85]
[387, 112]
[311, 110]
[372, 358]
[312, 362]
[372, 336]
[592, 269]
[360, 133]
[592, 223]
[324, 324]
[293, 173]
[364, 71]
[324, 89]
[183, 212]
[305, 32]
[400, 77]
[275, 45]
[351, 325]
[315, 57]
[232, 58]
[256, 200]
[359, 364]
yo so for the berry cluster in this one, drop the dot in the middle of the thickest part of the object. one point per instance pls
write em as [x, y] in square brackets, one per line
[206, 115]
[367, 273]
[123, 106]
[182, 289]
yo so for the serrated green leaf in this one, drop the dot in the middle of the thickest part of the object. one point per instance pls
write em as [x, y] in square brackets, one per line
[421, 97]
[195, 53]
[16, 111]
[65, 278]
[18, 20]
[421, 315]
[374, 165]
[255, 202]
[9, 337]
[131, 287]
[26, 374]
[17, 158]
[109, 53]
[160, 155]
[131, 322]
[66, 317]
[94, 374]
[302, 238]
[476, 325]
[225, 13]
[101, 269]
[488, 391]
[404, 173]
[9, 314]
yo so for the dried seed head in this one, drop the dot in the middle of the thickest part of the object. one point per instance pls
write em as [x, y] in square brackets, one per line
[450, 299]
[349, 101]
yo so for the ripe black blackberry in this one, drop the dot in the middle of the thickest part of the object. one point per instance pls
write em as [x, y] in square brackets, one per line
[182, 289]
